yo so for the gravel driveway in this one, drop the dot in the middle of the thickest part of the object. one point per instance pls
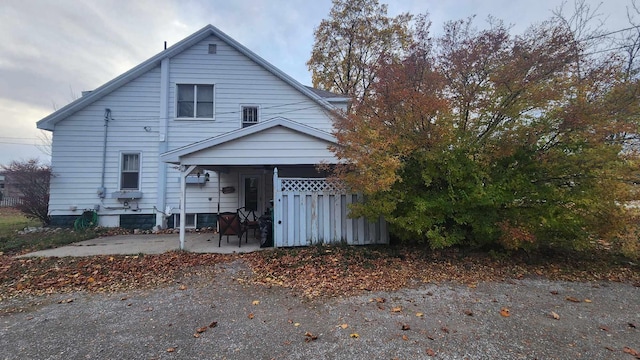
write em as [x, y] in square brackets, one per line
[240, 320]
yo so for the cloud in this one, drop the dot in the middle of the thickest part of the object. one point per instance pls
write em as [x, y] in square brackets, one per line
[52, 50]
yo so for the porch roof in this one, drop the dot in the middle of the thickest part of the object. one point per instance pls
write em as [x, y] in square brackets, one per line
[277, 141]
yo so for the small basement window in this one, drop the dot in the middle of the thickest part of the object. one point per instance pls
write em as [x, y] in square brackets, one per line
[249, 116]
[195, 101]
[189, 221]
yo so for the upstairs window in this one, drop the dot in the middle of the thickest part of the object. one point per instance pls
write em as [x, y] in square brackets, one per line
[130, 172]
[195, 101]
[249, 116]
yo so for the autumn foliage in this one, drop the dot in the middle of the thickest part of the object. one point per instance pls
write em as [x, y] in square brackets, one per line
[480, 137]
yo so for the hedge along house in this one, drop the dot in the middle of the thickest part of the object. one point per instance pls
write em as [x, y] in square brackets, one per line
[194, 131]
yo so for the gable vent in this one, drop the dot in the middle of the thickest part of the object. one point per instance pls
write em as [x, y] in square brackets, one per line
[213, 48]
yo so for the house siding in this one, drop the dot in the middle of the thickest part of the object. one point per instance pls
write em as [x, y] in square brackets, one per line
[143, 120]
[238, 80]
[77, 149]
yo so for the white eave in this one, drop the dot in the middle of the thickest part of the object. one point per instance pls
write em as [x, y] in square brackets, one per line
[48, 123]
[174, 156]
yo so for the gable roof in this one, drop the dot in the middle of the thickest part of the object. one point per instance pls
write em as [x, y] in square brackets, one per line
[49, 122]
[174, 156]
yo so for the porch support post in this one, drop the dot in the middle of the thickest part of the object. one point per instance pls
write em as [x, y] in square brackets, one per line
[277, 209]
[183, 200]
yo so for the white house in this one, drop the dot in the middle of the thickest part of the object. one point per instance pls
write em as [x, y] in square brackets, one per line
[198, 129]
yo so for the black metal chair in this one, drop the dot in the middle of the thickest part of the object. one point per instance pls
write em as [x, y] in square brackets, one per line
[249, 220]
[230, 224]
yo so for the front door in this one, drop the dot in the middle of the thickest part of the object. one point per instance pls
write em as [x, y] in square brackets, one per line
[252, 193]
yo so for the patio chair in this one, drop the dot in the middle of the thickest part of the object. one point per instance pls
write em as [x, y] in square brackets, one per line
[249, 220]
[230, 224]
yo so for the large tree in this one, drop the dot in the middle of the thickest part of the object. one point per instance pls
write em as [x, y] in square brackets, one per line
[348, 45]
[480, 137]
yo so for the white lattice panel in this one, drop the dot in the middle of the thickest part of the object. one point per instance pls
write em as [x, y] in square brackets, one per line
[311, 185]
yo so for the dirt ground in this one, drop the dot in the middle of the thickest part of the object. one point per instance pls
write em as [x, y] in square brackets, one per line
[223, 315]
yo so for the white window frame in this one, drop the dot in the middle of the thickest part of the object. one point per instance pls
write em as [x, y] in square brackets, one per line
[120, 170]
[195, 101]
[244, 123]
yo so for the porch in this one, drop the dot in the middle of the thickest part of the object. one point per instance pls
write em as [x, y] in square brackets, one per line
[270, 169]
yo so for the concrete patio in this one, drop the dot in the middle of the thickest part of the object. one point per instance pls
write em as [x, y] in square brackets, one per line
[152, 244]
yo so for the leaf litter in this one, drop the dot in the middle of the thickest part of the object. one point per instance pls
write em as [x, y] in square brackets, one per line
[317, 271]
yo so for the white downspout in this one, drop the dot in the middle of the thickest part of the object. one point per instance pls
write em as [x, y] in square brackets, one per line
[163, 141]
[183, 200]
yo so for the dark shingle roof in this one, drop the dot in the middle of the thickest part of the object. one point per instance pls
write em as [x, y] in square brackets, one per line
[326, 94]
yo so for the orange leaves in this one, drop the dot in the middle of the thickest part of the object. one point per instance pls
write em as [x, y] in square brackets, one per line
[505, 312]
[98, 273]
[631, 351]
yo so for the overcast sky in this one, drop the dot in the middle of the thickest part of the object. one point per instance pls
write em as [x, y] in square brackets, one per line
[50, 51]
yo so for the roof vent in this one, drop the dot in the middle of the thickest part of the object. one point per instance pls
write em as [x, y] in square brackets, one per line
[213, 48]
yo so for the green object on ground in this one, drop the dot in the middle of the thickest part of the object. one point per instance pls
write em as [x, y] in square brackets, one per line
[86, 220]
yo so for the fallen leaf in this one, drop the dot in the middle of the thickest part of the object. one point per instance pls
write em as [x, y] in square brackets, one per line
[554, 315]
[380, 300]
[468, 312]
[354, 335]
[250, 316]
[604, 328]
[405, 338]
[309, 337]
[444, 329]
[196, 335]
[396, 309]
[256, 302]
[201, 330]
[344, 326]
[505, 312]
[66, 301]
[554, 292]
[631, 351]
[171, 349]
[430, 352]
[296, 324]
[419, 314]
[406, 327]
[631, 325]
[572, 299]
[182, 287]
[587, 300]
[213, 324]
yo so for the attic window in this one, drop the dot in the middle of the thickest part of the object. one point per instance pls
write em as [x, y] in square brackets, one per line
[195, 101]
[213, 48]
[249, 116]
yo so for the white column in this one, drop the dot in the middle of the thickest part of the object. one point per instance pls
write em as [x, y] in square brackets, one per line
[277, 209]
[183, 200]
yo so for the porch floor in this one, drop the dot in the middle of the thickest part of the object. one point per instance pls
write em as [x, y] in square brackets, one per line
[153, 244]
